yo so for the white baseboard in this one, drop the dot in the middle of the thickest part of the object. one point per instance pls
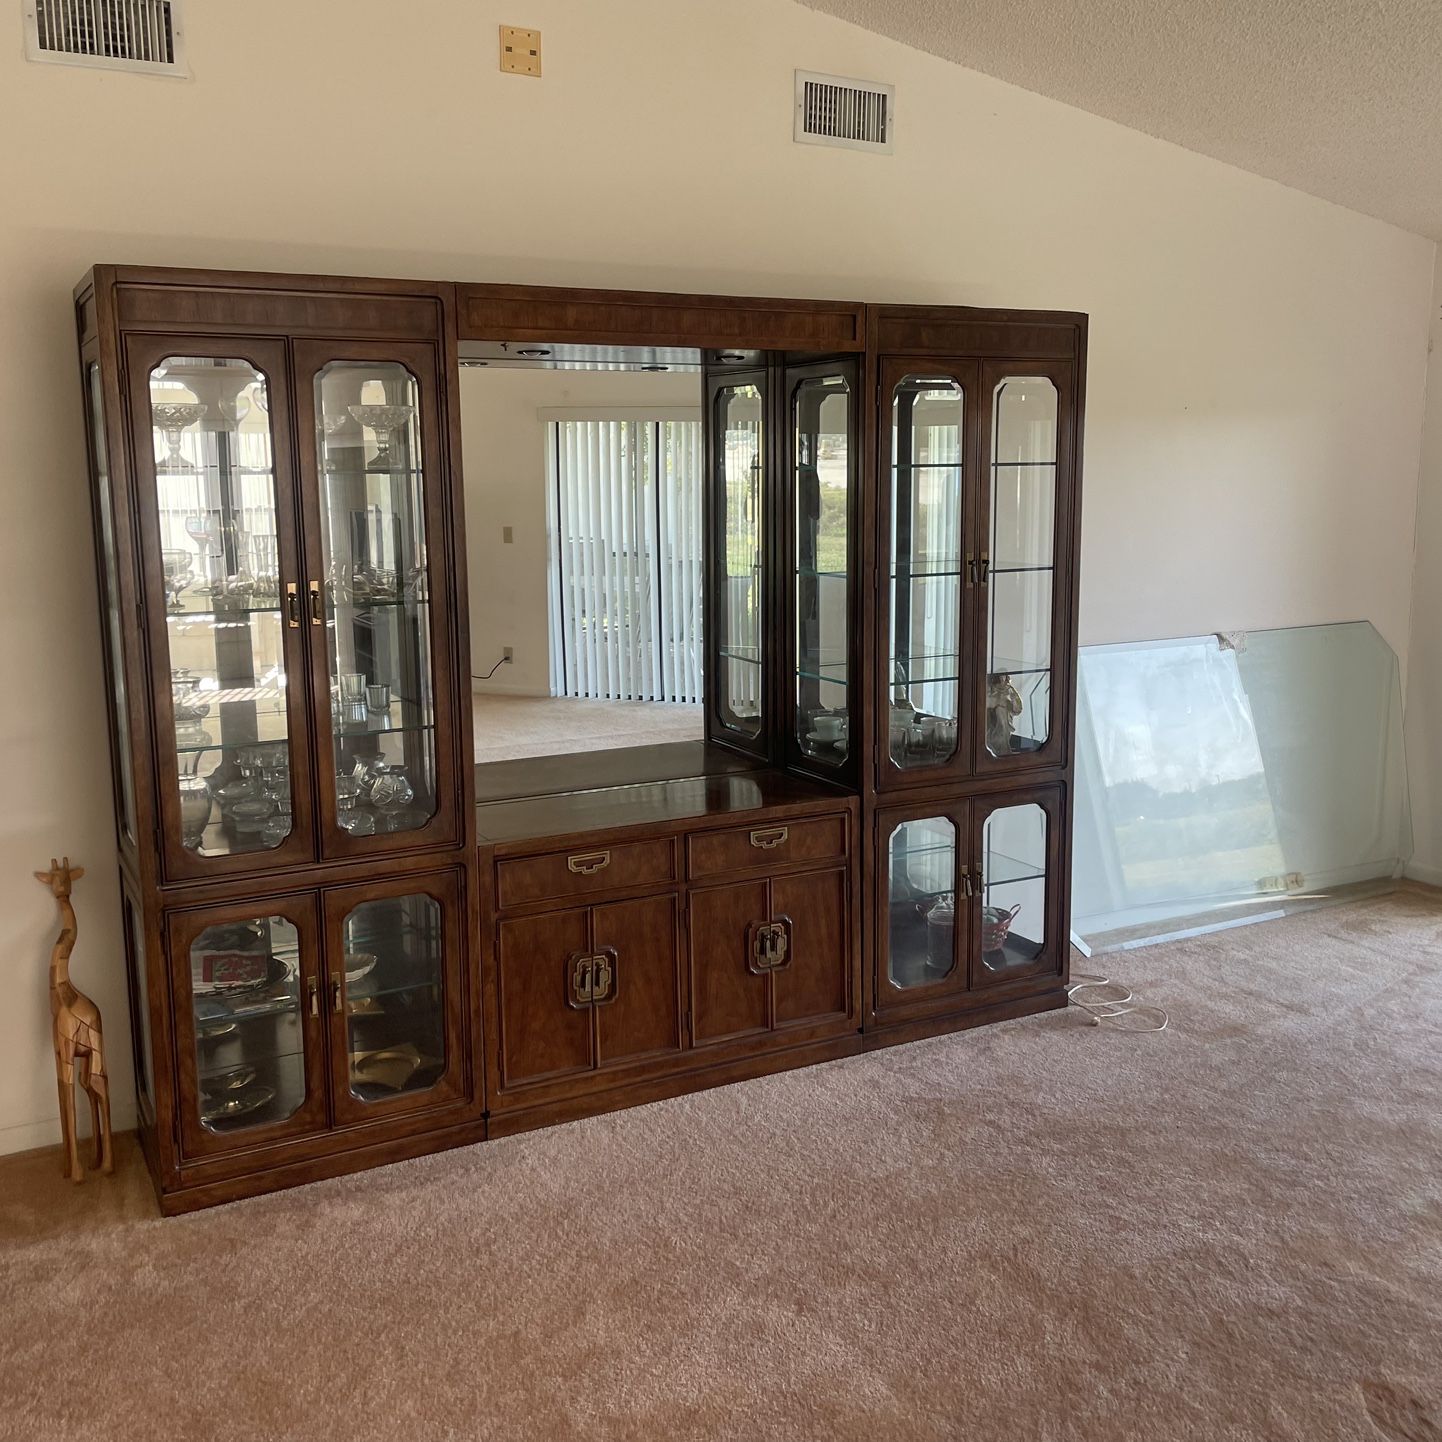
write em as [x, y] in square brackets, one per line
[500, 688]
[28, 1135]
[1427, 875]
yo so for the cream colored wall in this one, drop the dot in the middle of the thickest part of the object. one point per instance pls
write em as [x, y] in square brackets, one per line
[1256, 365]
[503, 442]
[1424, 692]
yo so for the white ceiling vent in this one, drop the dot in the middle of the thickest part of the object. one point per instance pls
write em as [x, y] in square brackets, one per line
[854, 114]
[141, 35]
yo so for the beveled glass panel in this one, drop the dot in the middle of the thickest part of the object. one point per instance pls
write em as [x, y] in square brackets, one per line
[105, 507]
[921, 900]
[394, 996]
[377, 596]
[1019, 593]
[249, 1034]
[927, 555]
[1013, 888]
[820, 439]
[216, 490]
[738, 602]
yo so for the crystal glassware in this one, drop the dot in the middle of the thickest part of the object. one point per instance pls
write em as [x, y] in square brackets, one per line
[178, 572]
[390, 787]
[194, 810]
[171, 419]
[384, 422]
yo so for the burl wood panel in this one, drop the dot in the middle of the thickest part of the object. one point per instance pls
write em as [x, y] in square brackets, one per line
[602, 317]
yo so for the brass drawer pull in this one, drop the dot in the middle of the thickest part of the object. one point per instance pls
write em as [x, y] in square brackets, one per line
[590, 863]
[770, 839]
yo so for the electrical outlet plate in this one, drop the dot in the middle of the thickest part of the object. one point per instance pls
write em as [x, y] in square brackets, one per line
[520, 50]
[508, 653]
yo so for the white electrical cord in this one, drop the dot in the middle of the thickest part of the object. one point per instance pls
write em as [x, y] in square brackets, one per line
[1113, 1008]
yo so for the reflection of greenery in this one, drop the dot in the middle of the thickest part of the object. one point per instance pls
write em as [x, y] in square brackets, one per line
[1164, 836]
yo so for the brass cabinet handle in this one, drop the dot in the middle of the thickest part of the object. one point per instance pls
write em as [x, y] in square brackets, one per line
[966, 884]
[605, 976]
[590, 863]
[769, 946]
[335, 994]
[984, 568]
[312, 991]
[578, 980]
[771, 838]
[591, 978]
[317, 616]
[292, 606]
[970, 569]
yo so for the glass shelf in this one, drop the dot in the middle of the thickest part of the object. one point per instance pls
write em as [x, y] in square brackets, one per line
[750, 660]
[822, 575]
[1003, 870]
[1022, 465]
[926, 466]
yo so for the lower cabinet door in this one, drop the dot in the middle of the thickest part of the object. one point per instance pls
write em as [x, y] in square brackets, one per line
[1017, 927]
[249, 1027]
[394, 995]
[812, 983]
[545, 1027]
[770, 955]
[925, 887]
[730, 996]
[638, 1012]
[589, 989]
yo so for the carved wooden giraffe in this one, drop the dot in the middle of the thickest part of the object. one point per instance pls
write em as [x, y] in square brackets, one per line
[75, 1030]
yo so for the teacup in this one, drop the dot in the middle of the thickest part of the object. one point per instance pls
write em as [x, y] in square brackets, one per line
[829, 727]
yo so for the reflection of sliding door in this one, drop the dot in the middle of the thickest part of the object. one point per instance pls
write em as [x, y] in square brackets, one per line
[626, 559]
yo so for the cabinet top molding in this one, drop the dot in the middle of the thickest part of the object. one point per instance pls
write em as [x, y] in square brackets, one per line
[154, 296]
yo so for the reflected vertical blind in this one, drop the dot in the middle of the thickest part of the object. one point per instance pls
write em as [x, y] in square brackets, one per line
[626, 559]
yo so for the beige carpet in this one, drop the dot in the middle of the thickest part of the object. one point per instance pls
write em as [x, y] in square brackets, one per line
[511, 727]
[1230, 1230]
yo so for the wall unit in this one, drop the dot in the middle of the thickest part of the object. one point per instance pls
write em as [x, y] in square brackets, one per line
[336, 957]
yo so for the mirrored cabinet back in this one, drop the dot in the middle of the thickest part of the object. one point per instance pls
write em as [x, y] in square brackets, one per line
[792, 781]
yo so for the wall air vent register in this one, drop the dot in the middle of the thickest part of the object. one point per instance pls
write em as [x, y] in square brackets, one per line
[853, 114]
[139, 35]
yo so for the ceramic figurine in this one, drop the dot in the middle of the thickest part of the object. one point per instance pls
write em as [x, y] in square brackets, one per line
[1003, 706]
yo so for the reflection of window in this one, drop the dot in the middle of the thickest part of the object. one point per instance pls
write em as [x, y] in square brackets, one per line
[626, 559]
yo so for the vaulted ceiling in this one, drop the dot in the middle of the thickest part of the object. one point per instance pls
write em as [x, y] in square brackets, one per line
[1339, 98]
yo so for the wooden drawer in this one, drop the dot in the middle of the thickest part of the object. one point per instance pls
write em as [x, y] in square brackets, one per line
[584, 871]
[786, 843]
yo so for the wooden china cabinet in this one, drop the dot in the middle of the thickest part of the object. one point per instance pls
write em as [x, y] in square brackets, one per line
[345, 943]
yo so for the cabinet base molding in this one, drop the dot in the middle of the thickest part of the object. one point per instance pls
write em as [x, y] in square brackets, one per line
[635, 1094]
[338, 1164]
[897, 1033]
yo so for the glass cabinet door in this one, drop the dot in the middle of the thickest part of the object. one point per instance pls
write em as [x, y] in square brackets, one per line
[373, 607]
[921, 948]
[737, 616]
[224, 613]
[1014, 921]
[248, 1023]
[927, 542]
[1019, 570]
[821, 458]
[393, 994]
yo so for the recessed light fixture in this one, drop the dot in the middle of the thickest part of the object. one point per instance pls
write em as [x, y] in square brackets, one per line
[533, 352]
[731, 357]
[468, 364]
[655, 368]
